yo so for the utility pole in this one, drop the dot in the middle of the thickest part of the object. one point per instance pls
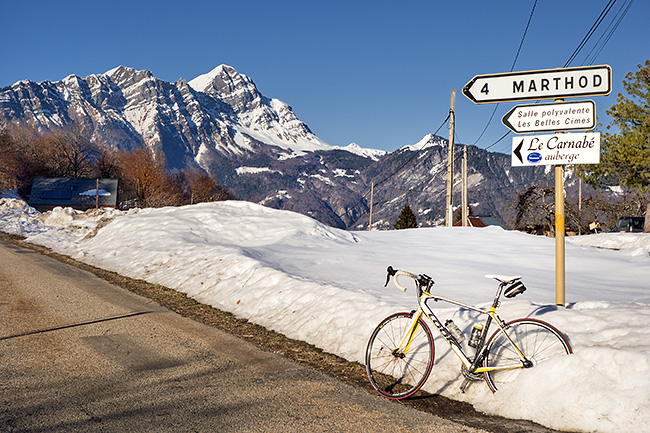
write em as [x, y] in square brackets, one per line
[579, 206]
[372, 194]
[450, 163]
[465, 206]
[559, 233]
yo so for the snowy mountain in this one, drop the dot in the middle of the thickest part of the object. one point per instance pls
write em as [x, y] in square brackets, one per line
[269, 121]
[426, 142]
[258, 147]
[125, 108]
[374, 154]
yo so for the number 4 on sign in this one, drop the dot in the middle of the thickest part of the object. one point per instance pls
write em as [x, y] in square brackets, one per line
[484, 89]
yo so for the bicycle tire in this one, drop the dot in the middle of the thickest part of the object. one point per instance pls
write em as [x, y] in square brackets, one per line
[399, 376]
[537, 340]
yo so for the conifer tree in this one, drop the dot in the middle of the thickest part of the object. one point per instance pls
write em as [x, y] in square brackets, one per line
[625, 155]
[406, 219]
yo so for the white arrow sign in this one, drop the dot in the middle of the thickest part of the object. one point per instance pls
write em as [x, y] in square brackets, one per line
[557, 149]
[556, 117]
[542, 84]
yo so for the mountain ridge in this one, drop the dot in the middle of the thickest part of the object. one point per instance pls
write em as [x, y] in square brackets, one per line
[257, 146]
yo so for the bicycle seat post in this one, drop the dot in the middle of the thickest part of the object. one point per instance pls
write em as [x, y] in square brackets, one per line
[497, 296]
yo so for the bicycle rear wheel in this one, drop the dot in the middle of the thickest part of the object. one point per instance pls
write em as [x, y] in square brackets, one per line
[393, 374]
[537, 340]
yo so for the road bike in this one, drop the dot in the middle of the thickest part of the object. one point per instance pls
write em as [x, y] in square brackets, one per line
[400, 351]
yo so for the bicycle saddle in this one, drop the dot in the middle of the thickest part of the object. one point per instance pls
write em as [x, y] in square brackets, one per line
[504, 278]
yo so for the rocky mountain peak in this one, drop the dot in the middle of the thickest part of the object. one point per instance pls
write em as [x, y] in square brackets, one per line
[229, 86]
[123, 75]
[426, 142]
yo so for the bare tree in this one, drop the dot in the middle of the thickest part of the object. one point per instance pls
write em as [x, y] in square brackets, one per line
[70, 152]
[199, 186]
[535, 210]
[145, 180]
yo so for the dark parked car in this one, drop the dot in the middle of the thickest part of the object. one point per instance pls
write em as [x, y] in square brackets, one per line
[632, 224]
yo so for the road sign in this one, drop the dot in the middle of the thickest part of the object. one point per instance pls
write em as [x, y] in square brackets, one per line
[556, 149]
[541, 84]
[556, 117]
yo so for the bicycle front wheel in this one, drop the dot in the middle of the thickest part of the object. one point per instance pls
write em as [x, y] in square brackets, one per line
[538, 342]
[397, 374]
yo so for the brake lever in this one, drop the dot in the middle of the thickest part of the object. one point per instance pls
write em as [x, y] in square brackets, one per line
[391, 273]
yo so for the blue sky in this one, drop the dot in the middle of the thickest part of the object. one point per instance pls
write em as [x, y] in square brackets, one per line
[377, 73]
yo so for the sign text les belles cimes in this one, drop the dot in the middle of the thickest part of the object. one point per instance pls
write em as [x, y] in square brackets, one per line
[554, 117]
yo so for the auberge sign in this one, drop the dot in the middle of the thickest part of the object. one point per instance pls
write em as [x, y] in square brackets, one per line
[556, 149]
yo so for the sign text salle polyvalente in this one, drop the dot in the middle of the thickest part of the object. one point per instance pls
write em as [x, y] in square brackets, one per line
[541, 84]
[553, 117]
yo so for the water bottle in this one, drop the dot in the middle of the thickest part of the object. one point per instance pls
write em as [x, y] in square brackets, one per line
[475, 336]
[454, 331]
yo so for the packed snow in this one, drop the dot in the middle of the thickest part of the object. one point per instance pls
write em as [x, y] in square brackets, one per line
[311, 282]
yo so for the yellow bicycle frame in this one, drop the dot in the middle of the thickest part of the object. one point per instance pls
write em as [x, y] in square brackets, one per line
[424, 310]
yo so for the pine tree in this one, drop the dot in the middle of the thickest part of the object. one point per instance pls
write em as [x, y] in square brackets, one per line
[406, 219]
[625, 156]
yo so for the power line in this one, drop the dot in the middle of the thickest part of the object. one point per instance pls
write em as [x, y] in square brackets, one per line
[582, 44]
[415, 154]
[616, 23]
[521, 43]
[586, 38]
[412, 158]
[591, 31]
[512, 68]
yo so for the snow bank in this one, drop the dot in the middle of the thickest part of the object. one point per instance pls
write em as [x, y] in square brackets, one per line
[309, 281]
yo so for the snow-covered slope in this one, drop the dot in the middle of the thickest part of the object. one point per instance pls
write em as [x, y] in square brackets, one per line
[292, 274]
[374, 154]
[426, 142]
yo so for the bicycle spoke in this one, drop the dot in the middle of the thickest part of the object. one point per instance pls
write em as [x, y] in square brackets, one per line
[392, 373]
[537, 340]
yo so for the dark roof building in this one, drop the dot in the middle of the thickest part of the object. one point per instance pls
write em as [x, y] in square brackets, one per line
[48, 193]
[482, 221]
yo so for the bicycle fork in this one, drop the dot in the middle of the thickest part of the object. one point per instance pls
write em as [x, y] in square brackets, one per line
[405, 344]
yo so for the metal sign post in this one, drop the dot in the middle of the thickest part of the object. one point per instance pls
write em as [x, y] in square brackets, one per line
[559, 149]
[559, 236]
[560, 257]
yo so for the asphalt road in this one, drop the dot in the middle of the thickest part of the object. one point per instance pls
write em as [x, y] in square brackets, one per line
[79, 354]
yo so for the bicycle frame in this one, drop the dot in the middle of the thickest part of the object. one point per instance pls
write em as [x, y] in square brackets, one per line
[472, 365]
